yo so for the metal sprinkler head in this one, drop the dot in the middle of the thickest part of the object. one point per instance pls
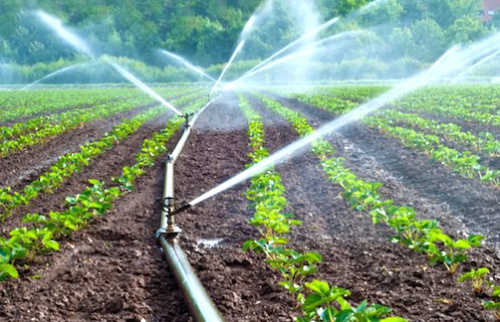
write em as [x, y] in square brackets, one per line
[183, 207]
[187, 117]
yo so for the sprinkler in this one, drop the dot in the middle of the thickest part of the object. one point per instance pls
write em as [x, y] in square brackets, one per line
[187, 117]
[183, 207]
[170, 210]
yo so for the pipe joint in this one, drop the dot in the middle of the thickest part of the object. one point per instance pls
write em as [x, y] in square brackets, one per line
[168, 204]
[168, 159]
[160, 232]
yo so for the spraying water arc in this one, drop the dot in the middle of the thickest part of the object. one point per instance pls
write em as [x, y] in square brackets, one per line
[82, 47]
[451, 61]
[236, 52]
[297, 41]
[468, 70]
[304, 52]
[315, 32]
[57, 72]
[187, 64]
[275, 63]
[69, 37]
[125, 73]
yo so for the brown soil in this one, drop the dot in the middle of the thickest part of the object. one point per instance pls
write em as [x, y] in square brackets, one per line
[113, 270]
[455, 201]
[21, 167]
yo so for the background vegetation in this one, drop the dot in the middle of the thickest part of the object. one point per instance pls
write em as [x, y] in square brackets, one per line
[414, 32]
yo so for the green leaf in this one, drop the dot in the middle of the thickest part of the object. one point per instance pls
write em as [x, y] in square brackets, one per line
[313, 301]
[94, 182]
[344, 316]
[51, 244]
[461, 244]
[319, 287]
[9, 270]
[394, 319]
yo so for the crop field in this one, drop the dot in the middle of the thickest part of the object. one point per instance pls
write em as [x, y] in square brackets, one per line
[393, 217]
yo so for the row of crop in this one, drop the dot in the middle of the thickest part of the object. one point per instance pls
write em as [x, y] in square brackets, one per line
[71, 163]
[483, 98]
[43, 232]
[423, 236]
[419, 235]
[350, 93]
[481, 107]
[266, 192]
[342, 106]
[21, 104]
[465, 163]
[73, 120]
[484, 143]
[66, 122]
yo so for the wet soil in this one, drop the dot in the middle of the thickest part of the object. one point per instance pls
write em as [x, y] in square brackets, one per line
[111, 271]
[21, 167]
[359, 256]
[453, 200]
[114, 271]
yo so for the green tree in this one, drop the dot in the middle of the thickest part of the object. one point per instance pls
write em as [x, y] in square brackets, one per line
[401, 41]
[430, 40]
[467, 29]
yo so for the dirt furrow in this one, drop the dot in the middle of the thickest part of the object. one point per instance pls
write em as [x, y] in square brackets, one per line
[105, 166]
[359, 256]
[455, 201]
[111, 271]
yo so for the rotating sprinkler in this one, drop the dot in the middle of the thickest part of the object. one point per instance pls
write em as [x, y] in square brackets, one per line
[187, 116]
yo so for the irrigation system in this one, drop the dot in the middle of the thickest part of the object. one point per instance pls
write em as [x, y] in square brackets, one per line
[198, 301]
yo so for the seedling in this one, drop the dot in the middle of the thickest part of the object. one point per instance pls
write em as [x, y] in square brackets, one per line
[493, 307]
[476, 278]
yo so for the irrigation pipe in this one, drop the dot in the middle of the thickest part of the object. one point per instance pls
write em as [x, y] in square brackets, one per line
[199, 303]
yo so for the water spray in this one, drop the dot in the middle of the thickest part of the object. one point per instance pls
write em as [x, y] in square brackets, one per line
[125, 73]
[306, 51]
[57, 72]
[82, 47]
[297, 41]
[316, 31]
[275, 63]
[187, 64]
[69, 37]
[453, 60]
[482, 61]
[236, 52]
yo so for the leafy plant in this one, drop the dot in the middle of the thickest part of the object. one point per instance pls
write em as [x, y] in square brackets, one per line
[476, 278]
[329, 304]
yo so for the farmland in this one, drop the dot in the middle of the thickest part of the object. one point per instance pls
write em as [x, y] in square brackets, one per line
[391, 209]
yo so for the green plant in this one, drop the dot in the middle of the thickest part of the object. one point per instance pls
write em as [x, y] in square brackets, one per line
[493, 307]
[329, 304]
[96, 200]
[476, 278]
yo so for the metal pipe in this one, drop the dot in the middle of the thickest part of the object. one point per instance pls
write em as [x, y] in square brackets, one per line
[180, 145]
[187, 131]
[199, 302]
